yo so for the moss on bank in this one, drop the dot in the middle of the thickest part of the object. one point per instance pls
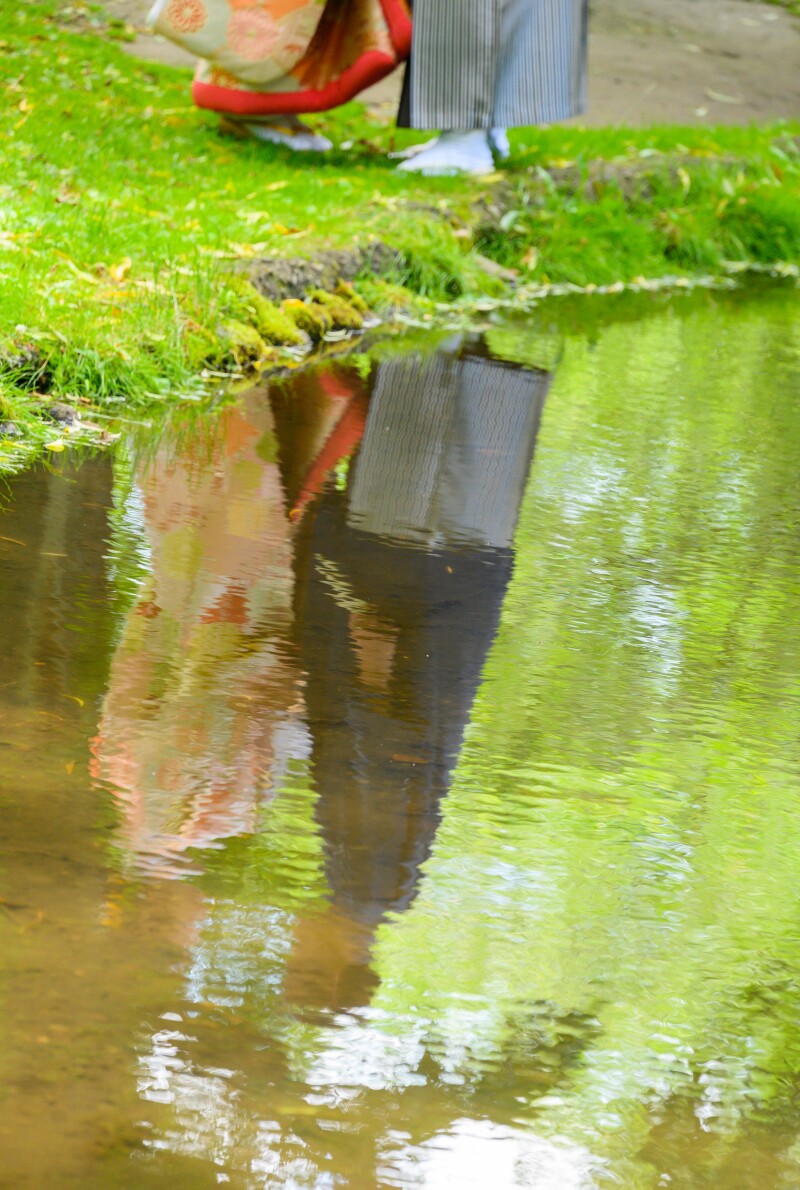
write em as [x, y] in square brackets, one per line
[139, 251]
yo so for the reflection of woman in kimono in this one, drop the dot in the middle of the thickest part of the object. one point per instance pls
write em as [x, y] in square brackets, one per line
[401, 566]
[204, 707]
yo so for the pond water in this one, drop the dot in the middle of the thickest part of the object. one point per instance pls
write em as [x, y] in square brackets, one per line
[400, 774]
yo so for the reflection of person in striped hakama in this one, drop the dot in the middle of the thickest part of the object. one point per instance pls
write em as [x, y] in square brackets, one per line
[479, 67]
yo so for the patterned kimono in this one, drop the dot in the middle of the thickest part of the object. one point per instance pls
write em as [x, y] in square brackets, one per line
[495, 63]
[268, 57]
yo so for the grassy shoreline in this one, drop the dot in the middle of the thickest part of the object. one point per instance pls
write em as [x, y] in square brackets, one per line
[124, 217]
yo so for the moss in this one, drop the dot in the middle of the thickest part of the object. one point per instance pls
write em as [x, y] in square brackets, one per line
[345, 316]
[271, 322]
[346, 291]
[244, 343]
[311, 317]
[202, 348]
[274, 326]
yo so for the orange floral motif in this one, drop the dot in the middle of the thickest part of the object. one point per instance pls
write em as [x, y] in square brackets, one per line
[252, 34]
[187, 16]
[297, 30]
[217, 76]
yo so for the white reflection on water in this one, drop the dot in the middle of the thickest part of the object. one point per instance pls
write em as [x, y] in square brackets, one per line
[476, 1154]
[212, 1122]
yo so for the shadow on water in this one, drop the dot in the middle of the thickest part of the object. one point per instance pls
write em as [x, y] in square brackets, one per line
[370, 794]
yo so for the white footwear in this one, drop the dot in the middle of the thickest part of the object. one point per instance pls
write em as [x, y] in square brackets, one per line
[453, 153]
[498, 143]
[278, 130]
[413, 150]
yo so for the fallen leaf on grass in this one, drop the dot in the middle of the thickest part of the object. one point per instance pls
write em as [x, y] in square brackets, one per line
[57, 445]
[283, 230]
[718, 97]
[118, 272]
[67, 198]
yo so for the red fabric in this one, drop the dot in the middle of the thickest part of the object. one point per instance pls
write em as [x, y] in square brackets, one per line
[341, 442]
[370, 68]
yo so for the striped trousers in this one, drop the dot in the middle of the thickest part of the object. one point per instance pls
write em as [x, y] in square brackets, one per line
[495, 63]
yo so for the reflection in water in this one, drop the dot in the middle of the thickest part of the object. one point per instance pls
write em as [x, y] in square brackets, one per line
[275, 623]
[297, 629]
[204, 709]
[401, 577]
[426, 870]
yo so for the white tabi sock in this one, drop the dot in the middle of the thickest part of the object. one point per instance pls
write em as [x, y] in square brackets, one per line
[498, 143]
[455, 152]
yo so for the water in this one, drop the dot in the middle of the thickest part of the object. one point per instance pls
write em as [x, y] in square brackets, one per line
[399, 775]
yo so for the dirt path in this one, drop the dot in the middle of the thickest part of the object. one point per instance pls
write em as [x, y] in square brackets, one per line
[681, 61]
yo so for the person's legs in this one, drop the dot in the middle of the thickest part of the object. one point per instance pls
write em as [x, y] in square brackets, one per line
[541, 64]
[490, 64]
[450, 79]
[440, 93]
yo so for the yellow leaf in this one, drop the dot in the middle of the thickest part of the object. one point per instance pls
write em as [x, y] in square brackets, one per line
[118, 272]
[69, 766]
[718, 97]
[58, 444]
[686, 181]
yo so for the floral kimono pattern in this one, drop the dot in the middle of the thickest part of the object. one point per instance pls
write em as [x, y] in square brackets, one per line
[263, 57]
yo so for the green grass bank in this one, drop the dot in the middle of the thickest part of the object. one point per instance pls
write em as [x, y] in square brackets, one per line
[128, 227]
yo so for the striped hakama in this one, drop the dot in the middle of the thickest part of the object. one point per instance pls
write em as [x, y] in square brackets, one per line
[495, 63]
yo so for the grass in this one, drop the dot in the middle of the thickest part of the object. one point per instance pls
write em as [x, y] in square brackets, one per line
[792, 6]
[123, 214]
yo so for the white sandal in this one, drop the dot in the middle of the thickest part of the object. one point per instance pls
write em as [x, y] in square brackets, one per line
[285, 130]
